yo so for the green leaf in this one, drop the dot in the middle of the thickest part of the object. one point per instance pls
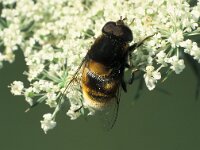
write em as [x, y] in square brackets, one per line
[87, 3]
[26, 27]
[98, 15]
[3, 23]
[168, 73]
[88, 33]
[40, 100]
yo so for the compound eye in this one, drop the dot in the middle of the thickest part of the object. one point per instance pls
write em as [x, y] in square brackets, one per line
[109, 27]
[118, 31]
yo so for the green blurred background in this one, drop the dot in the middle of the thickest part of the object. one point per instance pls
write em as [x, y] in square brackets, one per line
[154, 122]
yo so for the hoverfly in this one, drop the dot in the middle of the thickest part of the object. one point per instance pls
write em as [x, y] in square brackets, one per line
[102, 68]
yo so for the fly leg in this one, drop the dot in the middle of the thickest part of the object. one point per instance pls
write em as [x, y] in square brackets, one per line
[132, 76]
[123, 84]
[136, 45]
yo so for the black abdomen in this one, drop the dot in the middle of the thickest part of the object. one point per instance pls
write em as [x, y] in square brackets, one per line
[99, 88]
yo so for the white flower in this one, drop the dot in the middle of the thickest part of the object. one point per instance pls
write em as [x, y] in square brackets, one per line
[12, 36]
[151, 77]
[187, 45]
[48, 123]
[8, 2]
[17, 87]
[73, 112]
[35, 70]
[176, 38]
[51, 99]
[195, 51]
[192, 49]
[161, 58]
[196, 12]
[1, 57]
[10, 57]
[177, 64]
[29, 100]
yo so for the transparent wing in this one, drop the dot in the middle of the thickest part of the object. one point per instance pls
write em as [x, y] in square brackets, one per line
[107, 117]
[74, 78]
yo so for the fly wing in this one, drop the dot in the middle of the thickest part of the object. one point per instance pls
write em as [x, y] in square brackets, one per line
[107, 117]
[112, 114]
[74, 78]
[62, 94]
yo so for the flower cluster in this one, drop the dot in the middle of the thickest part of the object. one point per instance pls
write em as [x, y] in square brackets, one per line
[55, 36]
[48, 122]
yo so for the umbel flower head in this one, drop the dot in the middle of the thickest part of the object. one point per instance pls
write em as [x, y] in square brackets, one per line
[54, 36]
[48, 123]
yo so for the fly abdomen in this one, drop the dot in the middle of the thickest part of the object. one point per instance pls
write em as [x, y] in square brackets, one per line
[98, 89]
